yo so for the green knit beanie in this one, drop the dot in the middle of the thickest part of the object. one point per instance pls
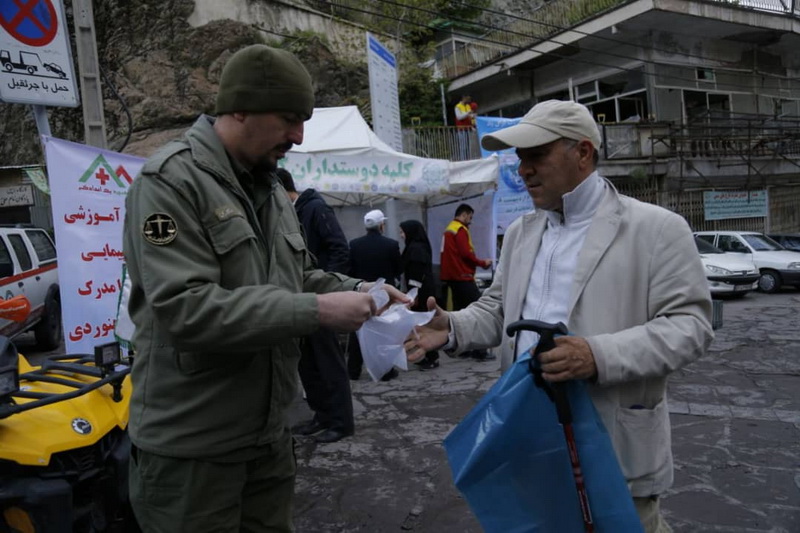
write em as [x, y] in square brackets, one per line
[262, 79]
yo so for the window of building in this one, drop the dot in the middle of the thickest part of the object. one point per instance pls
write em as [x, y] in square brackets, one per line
[704, 105]
[449, 47]
[619, 97]
[624, 82]
[786, 108]
[586, 92]
[705, 74]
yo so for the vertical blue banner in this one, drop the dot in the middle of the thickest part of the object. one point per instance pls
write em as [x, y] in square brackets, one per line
[511, 198]
[486, 125]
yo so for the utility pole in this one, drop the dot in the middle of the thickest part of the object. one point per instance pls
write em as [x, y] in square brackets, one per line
[94, 123]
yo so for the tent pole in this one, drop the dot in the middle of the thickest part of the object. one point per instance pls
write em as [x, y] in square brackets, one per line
[392, 223]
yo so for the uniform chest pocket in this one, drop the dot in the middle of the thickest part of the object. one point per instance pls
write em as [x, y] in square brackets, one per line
[296, 242]
[230, 233]
[289, 253]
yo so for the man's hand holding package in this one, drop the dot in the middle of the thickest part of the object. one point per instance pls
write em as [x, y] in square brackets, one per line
[430, 336]
[347, 310]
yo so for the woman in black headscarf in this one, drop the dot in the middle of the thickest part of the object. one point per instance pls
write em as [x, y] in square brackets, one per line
[417, 266]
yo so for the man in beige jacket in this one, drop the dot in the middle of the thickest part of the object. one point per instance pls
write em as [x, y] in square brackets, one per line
[624, 276]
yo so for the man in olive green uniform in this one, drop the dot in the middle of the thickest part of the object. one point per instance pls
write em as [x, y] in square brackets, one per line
[222, 285]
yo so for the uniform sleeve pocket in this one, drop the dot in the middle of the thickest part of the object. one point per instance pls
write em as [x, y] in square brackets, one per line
[229, 233]
[643, 441]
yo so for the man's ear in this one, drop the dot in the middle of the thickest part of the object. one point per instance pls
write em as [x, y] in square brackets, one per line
[586, 153]
[239, 116]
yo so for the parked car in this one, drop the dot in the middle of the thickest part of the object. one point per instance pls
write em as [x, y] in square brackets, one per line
[28, 266]
[726, 273]
[790, 241]
[776, 265]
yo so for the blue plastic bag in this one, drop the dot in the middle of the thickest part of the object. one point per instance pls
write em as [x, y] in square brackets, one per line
[509, 459]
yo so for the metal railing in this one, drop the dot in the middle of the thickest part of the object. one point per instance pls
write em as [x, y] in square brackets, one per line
[556, 17]
[442, 142]
[725, 135]
[713, 135]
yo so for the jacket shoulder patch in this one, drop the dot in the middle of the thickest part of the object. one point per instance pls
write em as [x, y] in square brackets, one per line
[225, 212]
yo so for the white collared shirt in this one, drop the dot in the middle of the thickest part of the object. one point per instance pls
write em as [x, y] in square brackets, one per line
[553, 271]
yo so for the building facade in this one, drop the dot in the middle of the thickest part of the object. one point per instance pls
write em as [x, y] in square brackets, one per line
[691, 96]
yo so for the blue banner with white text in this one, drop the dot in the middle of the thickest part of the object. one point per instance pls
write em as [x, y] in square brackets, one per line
[511, 198]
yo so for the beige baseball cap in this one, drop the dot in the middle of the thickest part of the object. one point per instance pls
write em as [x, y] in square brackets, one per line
[546, 122]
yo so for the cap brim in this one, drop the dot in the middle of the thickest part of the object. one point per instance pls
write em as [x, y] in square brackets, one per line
[519, 136]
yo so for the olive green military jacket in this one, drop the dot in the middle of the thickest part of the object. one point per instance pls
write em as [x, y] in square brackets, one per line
[222, 287]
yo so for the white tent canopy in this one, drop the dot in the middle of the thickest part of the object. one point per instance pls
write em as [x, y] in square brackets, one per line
[344, 159]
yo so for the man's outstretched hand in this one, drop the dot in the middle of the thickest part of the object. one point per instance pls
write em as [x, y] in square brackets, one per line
[348, 310]
[430, 336]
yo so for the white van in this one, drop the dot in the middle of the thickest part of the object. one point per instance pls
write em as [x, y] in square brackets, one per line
[28, 266]
[776, 265]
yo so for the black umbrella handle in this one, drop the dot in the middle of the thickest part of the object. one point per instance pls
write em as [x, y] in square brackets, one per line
[557, 392]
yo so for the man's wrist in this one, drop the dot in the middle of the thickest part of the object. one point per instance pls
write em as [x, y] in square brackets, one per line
[358, 286]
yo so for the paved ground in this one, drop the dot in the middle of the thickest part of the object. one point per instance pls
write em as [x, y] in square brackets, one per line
[736, 438]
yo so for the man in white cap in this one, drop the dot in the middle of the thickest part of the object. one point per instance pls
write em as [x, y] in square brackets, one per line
[623, 275]
[372, 256]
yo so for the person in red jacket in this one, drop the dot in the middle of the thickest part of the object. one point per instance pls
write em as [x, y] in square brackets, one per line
[465, 114]
[458, 263]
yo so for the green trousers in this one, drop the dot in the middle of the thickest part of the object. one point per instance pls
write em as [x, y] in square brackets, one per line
[173, 495]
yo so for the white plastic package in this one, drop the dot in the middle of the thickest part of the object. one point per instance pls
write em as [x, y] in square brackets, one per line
[381, 337]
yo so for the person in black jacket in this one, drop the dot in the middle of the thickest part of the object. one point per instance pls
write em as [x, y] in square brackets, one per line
[372, 256]
[322, 368]
[417, 263]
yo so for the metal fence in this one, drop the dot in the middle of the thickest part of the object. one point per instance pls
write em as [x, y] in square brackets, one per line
[710, 137]
[442, 142]
[783, 201]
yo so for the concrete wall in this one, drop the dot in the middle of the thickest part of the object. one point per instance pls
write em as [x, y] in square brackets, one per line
[278, 19]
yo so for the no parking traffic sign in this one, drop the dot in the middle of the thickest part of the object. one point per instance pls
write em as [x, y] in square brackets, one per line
[35, 57]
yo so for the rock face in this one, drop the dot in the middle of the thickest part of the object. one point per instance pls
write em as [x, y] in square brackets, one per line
[166, 72]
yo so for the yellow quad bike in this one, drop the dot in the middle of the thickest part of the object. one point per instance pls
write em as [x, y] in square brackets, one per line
[64, 447]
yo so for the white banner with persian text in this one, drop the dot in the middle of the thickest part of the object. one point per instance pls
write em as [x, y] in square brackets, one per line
[88, 188]
[390, 174]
